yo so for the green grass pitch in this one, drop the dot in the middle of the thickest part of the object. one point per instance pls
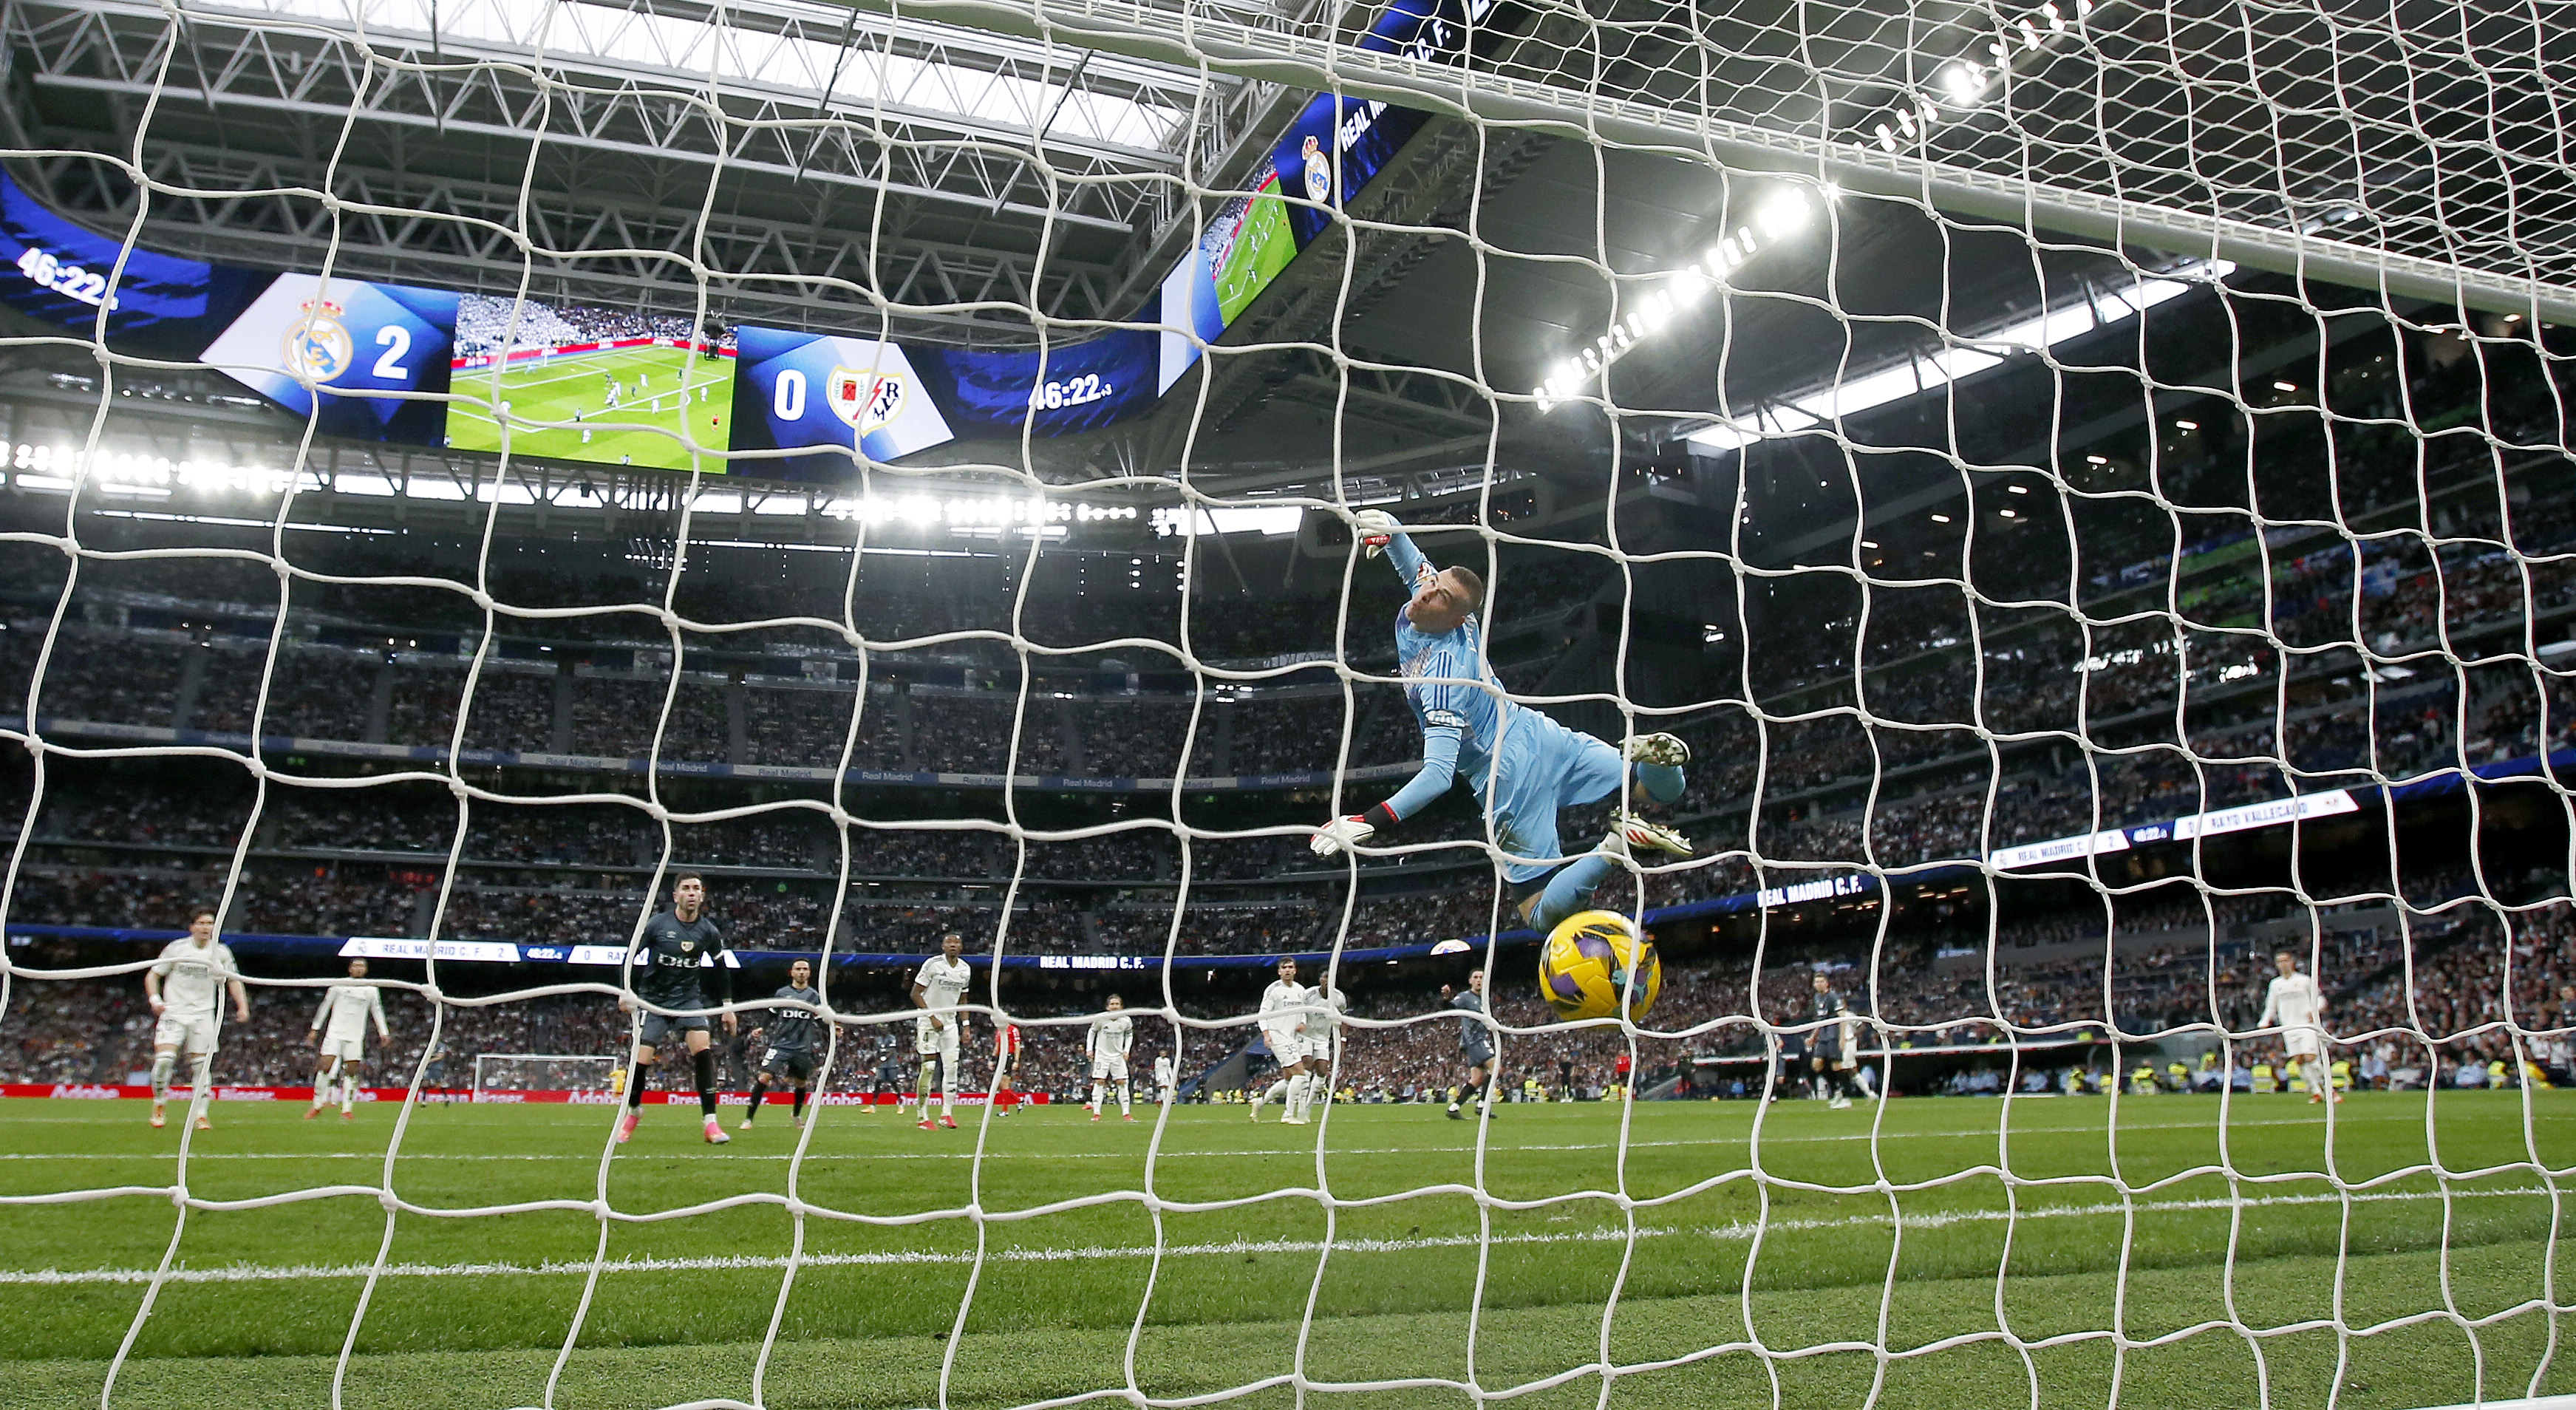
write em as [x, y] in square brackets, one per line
[651, 416]
[1808, 1266]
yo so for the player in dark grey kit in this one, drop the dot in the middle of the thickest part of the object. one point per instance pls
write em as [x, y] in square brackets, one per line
[1830, 1055]
[663, 968]
[1475, 1045]
[795, 1045]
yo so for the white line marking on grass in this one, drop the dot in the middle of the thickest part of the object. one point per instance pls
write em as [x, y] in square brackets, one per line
[1738, 1232]
[1301, 1152]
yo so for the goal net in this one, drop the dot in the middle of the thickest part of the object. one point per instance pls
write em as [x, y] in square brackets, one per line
[2028, 551]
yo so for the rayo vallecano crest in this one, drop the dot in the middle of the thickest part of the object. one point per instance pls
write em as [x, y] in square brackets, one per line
[866, 400]
[318, 346]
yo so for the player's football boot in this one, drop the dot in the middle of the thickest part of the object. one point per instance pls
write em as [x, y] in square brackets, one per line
[205, 1124]
[348, 1116]
[160, 1118]
[311, 1112]
[715, 1133]
[948, 1121]
[626, 1125]
[1095, 1116]
[745, 1126]
[926, 1123]
[1129, 1118]
[1658, 749]
[1631, 832]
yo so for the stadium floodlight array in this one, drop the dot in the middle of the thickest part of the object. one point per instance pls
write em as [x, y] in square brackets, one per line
[2085, 175]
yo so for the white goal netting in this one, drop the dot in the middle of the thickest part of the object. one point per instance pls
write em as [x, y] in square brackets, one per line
[2066, 512]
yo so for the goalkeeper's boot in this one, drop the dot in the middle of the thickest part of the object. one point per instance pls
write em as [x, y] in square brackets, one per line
[626, 1125]
[715, 1133]
[1631, 832]
[1658, 749]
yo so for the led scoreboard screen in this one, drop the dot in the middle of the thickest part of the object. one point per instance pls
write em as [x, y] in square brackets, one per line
[624, 386]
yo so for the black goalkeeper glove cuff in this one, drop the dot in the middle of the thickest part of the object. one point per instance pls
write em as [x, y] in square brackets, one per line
[1380, 817]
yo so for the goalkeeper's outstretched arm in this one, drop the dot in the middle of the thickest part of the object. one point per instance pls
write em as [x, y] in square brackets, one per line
[1380, 533]
[1439, 770]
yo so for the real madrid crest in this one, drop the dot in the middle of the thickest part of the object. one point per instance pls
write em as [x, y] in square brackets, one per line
[866, 400]
[1319, 171]
[318, 346]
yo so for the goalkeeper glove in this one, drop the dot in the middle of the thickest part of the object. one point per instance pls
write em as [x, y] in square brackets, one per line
[1376, 526]
[1347, 832]
[1340, 833]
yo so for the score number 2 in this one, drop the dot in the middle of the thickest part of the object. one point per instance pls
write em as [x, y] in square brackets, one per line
[1072, 391]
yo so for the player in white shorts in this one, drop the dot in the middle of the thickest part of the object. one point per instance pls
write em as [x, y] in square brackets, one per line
[1111, 1037]
[2294, 1002]
[339, 1033]
[1283, 1028]
[185, 988]
[1163, 1084]
[936, 989]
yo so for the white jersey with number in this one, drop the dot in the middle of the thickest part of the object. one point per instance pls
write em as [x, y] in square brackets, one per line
[346, 1010]
[1281, 1024]
[193, 978]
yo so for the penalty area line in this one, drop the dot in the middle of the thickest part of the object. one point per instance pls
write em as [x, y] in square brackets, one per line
[1739, 1232]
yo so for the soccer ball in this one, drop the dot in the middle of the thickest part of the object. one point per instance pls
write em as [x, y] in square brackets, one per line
[1593, 959]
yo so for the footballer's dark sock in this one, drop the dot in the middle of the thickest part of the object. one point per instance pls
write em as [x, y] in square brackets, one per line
[798, 1111]
[635, 1086]
[706, 1065]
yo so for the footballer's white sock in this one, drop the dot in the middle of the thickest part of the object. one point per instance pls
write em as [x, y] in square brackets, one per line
[1277, 1089]
[921, 1089]
[161, 1064]
[1298, 1087]
[348, 1092]
[1098, 1091]
[947, 1094]
[201, 1089]
[323, 1082]
[1124, 1099]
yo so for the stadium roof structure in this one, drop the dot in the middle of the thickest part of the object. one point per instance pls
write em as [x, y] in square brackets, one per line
[936, 169]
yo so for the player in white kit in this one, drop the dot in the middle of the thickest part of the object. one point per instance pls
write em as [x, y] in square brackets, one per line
[935, 991]
[1112, 1037]
[1165, 1089]
[1283, 1027]
[339, 1033]
[185, 988]
[2295, 1003]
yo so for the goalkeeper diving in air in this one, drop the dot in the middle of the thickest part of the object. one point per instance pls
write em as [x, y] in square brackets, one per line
[1523, 766]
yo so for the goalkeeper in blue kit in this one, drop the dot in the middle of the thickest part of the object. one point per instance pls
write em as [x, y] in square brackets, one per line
[1523, 766]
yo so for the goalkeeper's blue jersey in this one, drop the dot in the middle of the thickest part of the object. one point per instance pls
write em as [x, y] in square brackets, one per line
[1446, 681]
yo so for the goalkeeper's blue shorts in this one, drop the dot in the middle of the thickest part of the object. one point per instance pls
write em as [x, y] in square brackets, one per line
[1545, 767]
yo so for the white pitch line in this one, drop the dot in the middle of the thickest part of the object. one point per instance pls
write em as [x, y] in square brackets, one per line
[1738, 1232]
[1302, 1152]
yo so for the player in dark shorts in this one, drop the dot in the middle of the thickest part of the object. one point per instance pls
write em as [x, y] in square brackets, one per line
[663, 966]
[1475, 1045]
[892, 1075]
[1828, 1060]
[795, 1045]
